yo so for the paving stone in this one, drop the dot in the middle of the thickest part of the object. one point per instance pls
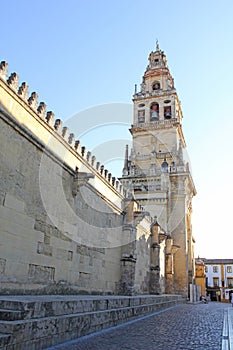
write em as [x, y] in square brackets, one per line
[184, 327]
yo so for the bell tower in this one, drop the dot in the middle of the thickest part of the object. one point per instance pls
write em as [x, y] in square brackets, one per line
[157, 168]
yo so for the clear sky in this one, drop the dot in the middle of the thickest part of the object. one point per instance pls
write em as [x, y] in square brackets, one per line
[81, 54]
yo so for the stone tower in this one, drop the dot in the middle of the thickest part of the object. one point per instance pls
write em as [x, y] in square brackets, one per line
[157, 168]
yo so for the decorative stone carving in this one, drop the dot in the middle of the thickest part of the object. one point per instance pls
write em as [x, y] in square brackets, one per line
[3, 70]
[77, 146]
[41, 110]
[88, 156]
[71, 140]
[33, 101]
[58, 126]
[83, 151]
[50, 118]
[93, 159]
[80, 179]
[23, 91]
[13, 81]
[98, 166]
[65, 133]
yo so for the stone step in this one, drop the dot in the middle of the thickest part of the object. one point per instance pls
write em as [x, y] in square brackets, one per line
[45, 306]
[42, 332]
[10, 303]
[4, 339]
[11, 315]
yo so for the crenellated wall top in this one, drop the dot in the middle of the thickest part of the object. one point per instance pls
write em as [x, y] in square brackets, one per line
[47, 118]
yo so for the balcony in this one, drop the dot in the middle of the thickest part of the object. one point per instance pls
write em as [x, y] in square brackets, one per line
[143, 94]
[156, 124]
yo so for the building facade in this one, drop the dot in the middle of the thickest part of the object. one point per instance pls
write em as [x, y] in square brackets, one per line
[67, 225]
[219, 278]
[157, 169]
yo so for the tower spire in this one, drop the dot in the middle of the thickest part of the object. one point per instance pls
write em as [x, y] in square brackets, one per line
[157, 45]
[126, 162]
[180, 154]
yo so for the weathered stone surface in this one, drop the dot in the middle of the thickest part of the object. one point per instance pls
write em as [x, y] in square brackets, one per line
[45, 249]
[27, 175]
[13, 203]
[40, 322]
[40, 273]
[67, 224]
[2, 266]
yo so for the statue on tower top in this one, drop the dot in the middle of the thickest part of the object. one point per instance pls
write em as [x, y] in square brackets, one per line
[157, 45]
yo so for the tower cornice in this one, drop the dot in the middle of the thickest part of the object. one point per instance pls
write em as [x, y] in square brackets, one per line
[152, 94]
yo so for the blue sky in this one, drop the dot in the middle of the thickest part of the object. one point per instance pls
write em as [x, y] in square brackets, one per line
[81, 54]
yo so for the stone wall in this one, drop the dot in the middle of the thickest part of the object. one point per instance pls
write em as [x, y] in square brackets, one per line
[58, 246]
[66, 224]
[142, 273]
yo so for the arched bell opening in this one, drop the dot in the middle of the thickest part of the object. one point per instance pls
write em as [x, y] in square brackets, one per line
[154, 111]
[167, 112]
[156, 85]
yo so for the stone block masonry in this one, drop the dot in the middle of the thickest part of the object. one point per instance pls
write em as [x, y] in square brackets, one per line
[35, 323]
[67, 225]
[65, 221]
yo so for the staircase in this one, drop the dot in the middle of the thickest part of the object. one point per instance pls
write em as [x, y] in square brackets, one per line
[37, 322]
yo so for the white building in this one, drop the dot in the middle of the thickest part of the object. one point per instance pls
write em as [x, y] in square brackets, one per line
[219, 278]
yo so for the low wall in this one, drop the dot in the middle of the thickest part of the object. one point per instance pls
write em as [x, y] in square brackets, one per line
[39, 322]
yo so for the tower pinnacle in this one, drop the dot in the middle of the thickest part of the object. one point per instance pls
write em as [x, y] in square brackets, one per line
[126, 162]
[157, 45]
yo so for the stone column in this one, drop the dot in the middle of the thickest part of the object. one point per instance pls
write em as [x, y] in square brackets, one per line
[155, 259]
[169, 266]
[128, 264]
[128, 259]
[177, 227]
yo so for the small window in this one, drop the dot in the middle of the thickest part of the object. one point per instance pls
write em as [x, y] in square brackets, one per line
[167, 112]
[141, 116]
[229, 269]
[230, 282]
[156, 85]
[216, 282]
[167, 101]
[164, 166]
[141, 105]
[215, 269]
[206, 268]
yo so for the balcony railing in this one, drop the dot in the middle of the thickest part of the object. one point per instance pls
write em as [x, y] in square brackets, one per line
[157, 123]
[141, 94]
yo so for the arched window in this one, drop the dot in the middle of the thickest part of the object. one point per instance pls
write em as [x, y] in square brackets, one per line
[167, 112]
[154, 111]
[156, 85]
[164, 166]
[141, 116]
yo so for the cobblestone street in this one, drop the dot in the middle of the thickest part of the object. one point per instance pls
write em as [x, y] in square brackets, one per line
[185, 327]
